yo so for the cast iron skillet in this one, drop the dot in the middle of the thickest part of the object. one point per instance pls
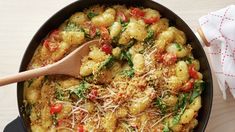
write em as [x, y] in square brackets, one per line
[79, 5]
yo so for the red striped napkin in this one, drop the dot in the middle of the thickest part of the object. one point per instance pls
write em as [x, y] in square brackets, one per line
[219, 30]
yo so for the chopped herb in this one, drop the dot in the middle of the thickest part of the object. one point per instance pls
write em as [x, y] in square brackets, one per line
[130, 73]
[161, 105]
[89, 78]
[30, 82]
[182, 101]
[124, 26]
[130, 43]
[115, 39]
[176, 118]
[90, 15]
[71, 27]
[166, 128]
[54, 119]
[150, 35]
[86, 34]
[178, 46]
[107, 63]
[198, 87]
[98, 32]
[188, 59]
[59, 94]
[126, 56]
[181, 105]
[81, 89]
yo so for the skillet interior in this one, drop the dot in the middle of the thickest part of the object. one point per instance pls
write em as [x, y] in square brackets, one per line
[66, 12]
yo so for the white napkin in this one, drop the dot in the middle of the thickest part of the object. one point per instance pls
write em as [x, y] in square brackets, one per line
[219, 30]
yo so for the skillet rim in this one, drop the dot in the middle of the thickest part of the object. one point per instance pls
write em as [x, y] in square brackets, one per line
[28, 53]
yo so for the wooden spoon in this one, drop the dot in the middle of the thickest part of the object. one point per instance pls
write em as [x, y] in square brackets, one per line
[69, 65]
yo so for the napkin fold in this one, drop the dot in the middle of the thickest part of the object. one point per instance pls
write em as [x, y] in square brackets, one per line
[219, 30]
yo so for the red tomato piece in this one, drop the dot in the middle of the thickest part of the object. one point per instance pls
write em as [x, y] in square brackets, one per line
[151, 20]
[137, 12]
[54, 36]
[192, 72]
[80, 128]
[169, 59]
[104, 33]
[188, 86]
[93, 94]
[51, 46]
[92, 31]
[107, 48]
[56, 108]
[159, 57]
[122, 16]
[60, 122]
[46, 43]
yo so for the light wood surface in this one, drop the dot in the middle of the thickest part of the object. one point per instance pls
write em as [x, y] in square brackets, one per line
[20, 19]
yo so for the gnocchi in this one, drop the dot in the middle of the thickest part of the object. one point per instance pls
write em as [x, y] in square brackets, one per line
[187, 116]
[177, 49]
[115, 29]
[105, 19]
[138, 61]
[182, 71]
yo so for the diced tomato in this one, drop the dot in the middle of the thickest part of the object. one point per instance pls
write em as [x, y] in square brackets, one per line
[188, 86]
[55, 32]
[51, 46]
[80, 128]
[169, 59]
[137, 12]
[56, 108]
[92, 31]
[151, 20]
[159, 57]
[107, 48]
[122, 16]
[46, 43]
[54, 36]
[192, 72]
[104, 33]
[60, 122]
[93, 94]
[52, 42]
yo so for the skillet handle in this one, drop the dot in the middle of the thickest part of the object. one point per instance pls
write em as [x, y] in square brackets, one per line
[26, 75]
[15, 126]
[200, 35]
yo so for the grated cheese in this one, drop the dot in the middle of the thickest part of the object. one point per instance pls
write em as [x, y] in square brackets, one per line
[161, 119]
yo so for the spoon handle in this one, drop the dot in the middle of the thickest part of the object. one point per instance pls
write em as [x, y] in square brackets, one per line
[25, 75]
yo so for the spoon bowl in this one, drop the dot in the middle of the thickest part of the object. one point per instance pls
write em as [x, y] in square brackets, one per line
[69, 65]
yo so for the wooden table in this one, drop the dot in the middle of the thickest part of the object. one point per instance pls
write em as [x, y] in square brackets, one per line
[20, 19]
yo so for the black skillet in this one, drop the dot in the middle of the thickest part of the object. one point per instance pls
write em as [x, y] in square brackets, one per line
[79, 5]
